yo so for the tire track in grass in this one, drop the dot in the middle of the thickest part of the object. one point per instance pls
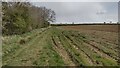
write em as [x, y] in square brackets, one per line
[95, 44]
[96, 61]
[21, 50]
[109, 41]
[99, 40]
[34, 51]
[89, 59]
[48, 56]
[76, 55]
[14, 45]
[105, 44]
[97, 50]
[112, 50]
[61, 51]
[102, 35]
[98, 44]
[68, 49]
[57, 32]
[85, 58]
[100, 51]
[102, 55]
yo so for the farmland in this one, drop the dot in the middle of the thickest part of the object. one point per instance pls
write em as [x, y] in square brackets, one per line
[81, 45]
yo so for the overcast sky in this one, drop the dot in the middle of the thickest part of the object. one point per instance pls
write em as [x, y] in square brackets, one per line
[83, 11]
[80, 10]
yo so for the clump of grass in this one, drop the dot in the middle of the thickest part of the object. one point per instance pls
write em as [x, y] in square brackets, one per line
[28, 38]
[97, 62]
[22, 41]
[35, 63]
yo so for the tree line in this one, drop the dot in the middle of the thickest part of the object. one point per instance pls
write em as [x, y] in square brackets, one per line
[21, 17]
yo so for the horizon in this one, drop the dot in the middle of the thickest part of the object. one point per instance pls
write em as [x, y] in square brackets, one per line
[82, 22]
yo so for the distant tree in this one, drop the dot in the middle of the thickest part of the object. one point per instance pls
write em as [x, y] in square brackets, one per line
[104, 22]
[72, 22]
[118, 23]
[110, 22]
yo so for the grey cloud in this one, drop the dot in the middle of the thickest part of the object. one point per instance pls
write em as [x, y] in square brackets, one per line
[82, 11]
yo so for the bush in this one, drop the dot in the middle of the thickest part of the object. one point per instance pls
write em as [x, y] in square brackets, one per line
[21, 17]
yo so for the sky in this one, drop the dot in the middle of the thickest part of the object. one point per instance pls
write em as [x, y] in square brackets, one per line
[63, 0]
[81, 10]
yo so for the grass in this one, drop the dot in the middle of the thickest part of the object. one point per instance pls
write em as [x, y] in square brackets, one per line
[93, 55]
[38, 49]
